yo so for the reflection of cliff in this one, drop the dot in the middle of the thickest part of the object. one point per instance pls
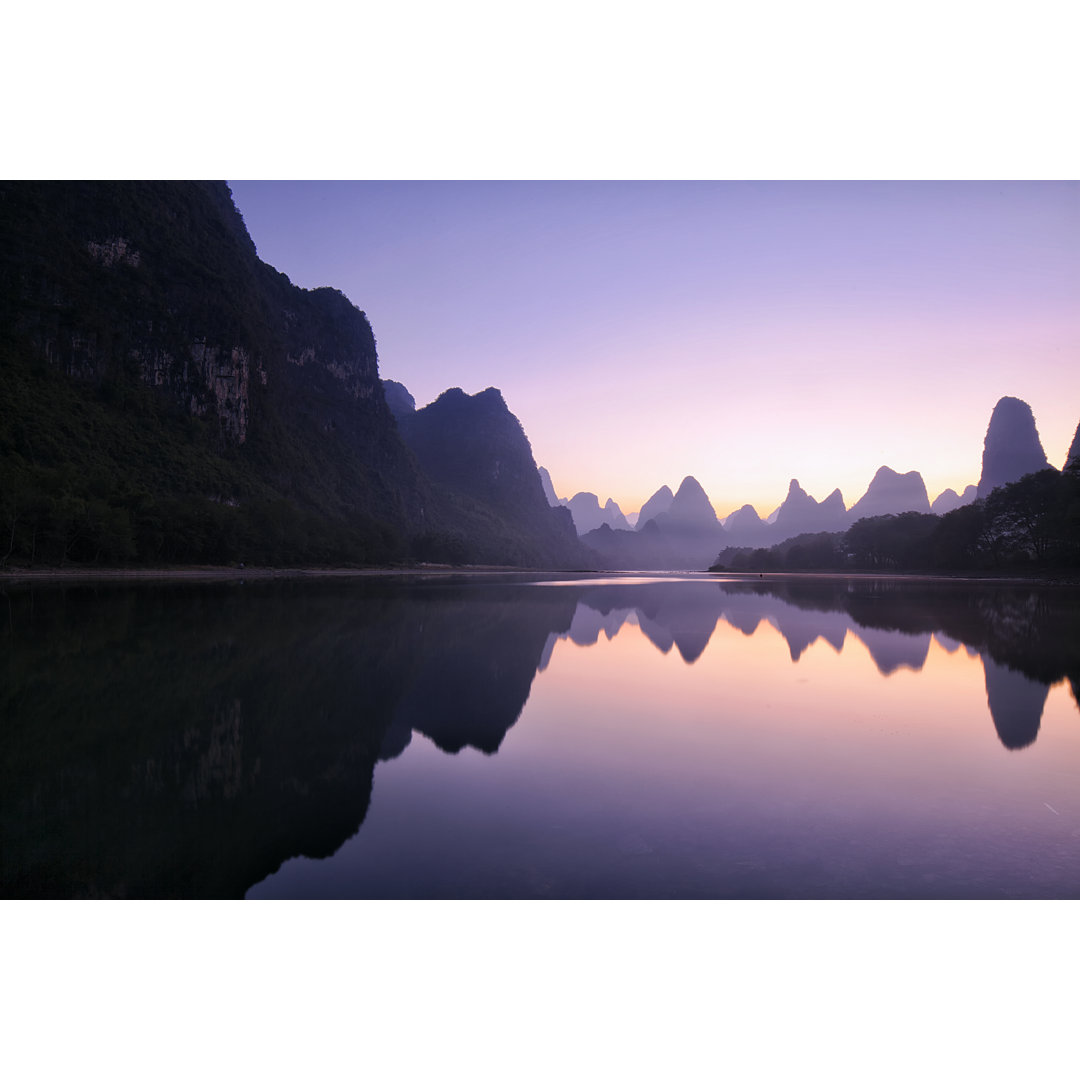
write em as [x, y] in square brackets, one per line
[1028, 637]
[171, 741]
[1033, 629]
[1016, 704]
[473, 659]
[185, 741]
[684, 615]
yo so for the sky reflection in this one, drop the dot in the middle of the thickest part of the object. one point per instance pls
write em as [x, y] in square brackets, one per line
[699, 743]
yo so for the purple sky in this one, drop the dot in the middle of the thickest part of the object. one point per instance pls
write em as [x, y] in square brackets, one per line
[744, 333]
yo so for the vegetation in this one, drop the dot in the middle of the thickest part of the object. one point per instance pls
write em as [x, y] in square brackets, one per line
[168, 398]
[1030, 525]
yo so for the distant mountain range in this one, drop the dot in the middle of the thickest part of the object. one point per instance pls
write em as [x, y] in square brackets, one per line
[673, 530]
[170, 398]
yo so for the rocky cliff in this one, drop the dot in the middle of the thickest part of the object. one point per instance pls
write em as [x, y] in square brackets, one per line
[474, 448]
[170, 397]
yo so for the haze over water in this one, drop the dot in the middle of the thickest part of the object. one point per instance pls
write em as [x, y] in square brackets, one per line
[624, 737]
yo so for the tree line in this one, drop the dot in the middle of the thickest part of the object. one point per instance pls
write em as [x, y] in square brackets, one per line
[1030, 525]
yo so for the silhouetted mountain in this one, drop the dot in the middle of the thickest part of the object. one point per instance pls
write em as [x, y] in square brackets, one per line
[690, 527]
[182, 397]
[168, 397]
[616, 517]
[691, 507]
[475, 447]
[620, 549]
[800, 513]
[832, 506]
[549, 488]
[948, 500]
[1012, 448]
[398, 399]
[1073, 456]
[892, 493]
[745, 527]
[589, 514]
[656, 503]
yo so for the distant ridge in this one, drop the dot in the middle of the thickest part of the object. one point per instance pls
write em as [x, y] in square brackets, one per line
[656, 503]
[588, 514]
[800, 513]
[891, 492]
[549, 488]
[948, 500]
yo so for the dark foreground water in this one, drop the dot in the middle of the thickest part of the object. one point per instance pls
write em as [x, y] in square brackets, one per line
[623, 737]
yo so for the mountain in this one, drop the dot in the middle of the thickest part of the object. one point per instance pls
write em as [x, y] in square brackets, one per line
[892, 493]
[473, 446]
[690, 527]
[948, 500]
[656, 503]
[1073, 456]
[616, 516]
[589, 514]
[644, 549]
[398, 399]
[691, 508]
[745, 527]
[549, 488]
[801, 513]
[1012, 447]
[685, 536]
[169, 397]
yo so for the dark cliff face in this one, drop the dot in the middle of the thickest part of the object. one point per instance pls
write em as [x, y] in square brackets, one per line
[474, 448]
[1012, 448]
[398, 398]
[150, 299]
[176, 399]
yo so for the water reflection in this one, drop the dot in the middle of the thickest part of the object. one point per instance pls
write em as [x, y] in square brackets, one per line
[186, 741]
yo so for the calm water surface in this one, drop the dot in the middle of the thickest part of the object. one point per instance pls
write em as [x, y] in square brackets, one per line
[514, 737]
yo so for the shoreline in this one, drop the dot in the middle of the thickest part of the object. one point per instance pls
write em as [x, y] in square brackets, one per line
[89, 575]
[261, 573]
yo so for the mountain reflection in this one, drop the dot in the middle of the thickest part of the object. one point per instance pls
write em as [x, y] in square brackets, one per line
[186, 740]
[1028, 637]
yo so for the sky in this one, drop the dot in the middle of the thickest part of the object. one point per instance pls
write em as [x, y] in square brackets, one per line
[743, 333]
